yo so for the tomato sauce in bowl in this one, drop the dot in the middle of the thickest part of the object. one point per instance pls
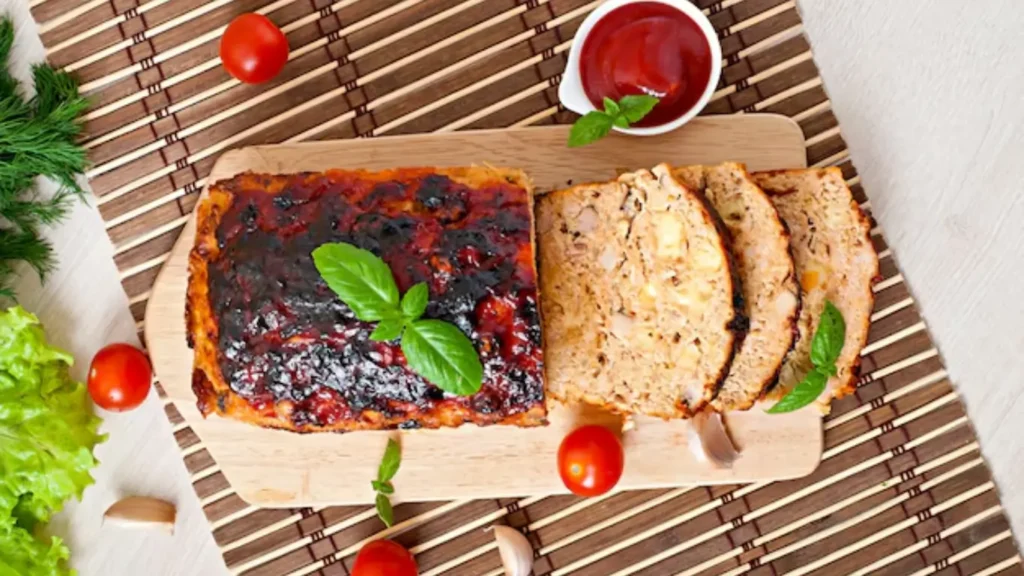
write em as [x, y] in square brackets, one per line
[647, 48]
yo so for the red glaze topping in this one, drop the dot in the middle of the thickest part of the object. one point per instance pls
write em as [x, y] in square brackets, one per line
[284, 336]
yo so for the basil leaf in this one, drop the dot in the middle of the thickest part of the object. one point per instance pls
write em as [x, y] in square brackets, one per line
[414, 303]
[635, 107]
[382, 487]
[443, 355]
[611, 107]
[387, 330]
[590, 128]
[360, 279]
[828, 338]
[390, 462]
[806, 392]
[596, 125]
[387, 515]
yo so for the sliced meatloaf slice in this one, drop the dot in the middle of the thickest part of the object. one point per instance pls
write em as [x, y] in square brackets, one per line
[639, 302]
[835, 260]
[771, 297]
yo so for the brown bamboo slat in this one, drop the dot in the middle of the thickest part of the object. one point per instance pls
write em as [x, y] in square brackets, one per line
[902, 488]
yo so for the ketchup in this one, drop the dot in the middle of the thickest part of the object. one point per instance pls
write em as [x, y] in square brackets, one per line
[647, 48]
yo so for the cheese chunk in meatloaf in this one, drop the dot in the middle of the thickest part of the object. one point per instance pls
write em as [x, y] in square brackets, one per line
[274, 346]
[831, 242]
[641, 307]
[760, 248]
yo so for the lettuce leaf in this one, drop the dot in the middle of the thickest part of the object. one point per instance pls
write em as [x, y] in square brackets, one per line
[21, 554]
[47, 434]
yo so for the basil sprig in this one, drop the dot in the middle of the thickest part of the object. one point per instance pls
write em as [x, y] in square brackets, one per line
[825, 348]
[434, 349]
[597, 124]
[382, 485]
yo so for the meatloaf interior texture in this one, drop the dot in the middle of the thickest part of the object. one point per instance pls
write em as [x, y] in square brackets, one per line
[640, 303]
[835, 260]
[771, 297]
[275, 347]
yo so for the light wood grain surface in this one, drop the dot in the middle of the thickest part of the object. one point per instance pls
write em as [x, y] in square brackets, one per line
[274, 468]
[929, 94]
[83, 308]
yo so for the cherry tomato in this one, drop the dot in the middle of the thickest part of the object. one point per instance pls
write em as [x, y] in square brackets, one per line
[384, 558]
[590, 460]
[119, 377]
[253, 49]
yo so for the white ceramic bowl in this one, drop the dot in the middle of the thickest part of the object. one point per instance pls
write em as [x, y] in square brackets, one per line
[571, 93]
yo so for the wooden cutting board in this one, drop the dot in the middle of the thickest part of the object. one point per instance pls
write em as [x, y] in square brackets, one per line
[282, 469]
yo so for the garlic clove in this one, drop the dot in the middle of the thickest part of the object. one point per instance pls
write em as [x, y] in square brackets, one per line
[710, 441]
[515, 551]
[628, 423]
[142, 512]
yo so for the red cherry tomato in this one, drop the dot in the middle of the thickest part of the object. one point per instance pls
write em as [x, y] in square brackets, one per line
[590, 460]
[119, 377]
[384, 558]
[253, 49]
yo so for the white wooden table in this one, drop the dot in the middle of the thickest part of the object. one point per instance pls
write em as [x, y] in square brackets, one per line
[930, 94]
[84, 308]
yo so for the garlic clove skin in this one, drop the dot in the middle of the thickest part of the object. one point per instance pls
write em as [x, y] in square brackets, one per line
[142, 512]
[710, 441]
[515, 551]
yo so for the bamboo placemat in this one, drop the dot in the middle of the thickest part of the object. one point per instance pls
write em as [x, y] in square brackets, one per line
[902, 488]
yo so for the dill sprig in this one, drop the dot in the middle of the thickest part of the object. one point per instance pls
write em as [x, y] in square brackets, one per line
[38, 137]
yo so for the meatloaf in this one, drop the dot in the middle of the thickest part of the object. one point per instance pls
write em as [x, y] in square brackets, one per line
[760, 248]
[835, 261]
[641, 306]
[275, 347]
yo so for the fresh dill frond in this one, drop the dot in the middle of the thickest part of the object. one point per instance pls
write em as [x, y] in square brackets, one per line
[38, 137]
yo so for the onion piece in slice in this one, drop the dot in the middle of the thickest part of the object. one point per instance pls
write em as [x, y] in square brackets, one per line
[710, 441]
[515, 551]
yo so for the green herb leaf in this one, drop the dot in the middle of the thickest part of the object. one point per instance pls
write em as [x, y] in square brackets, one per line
[590, 128]
[611, 107]
[414, 303]
[382, 487]
[595, 125]
[828, 338]
[387, 515]
[361, 279]
[826, 345]
[443, 355]
[387, 330]
[38, 137]
[390, 462]
[436, 350]
[806, 392]
[635, 107]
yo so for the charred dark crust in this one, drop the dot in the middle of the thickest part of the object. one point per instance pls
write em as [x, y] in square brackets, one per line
[502, 319]
[190, 338]
[203, 389]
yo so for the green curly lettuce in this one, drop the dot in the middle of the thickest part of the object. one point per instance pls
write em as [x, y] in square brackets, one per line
[22, 554]
[47, 435]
